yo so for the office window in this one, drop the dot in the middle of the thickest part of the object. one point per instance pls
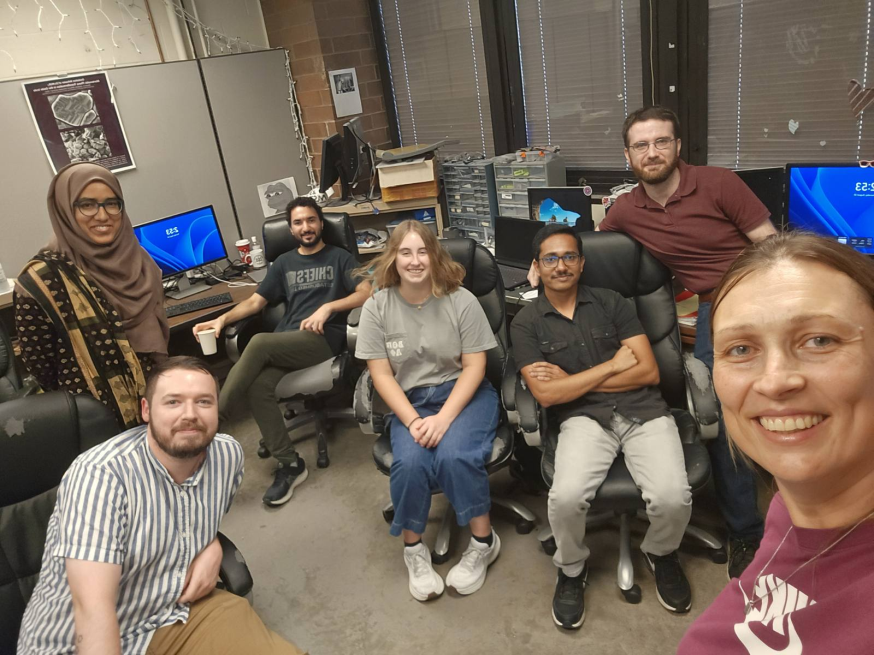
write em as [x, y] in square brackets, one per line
[581, 69]
[782, 65]
[438, 72]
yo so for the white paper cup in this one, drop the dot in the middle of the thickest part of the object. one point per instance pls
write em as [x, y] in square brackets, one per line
[207, 341]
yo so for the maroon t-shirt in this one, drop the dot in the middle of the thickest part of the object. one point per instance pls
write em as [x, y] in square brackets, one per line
[826, 607]
[700, 231]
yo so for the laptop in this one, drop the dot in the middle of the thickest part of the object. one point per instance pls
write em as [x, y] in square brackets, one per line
[513, 239]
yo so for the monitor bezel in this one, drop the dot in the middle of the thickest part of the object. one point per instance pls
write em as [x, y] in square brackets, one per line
[787, 186]
[167, 218]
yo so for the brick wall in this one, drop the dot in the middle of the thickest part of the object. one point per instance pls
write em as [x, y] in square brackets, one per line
[326, 35]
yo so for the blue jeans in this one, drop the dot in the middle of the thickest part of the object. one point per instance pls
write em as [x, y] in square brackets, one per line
[735, 481]
[457, 466]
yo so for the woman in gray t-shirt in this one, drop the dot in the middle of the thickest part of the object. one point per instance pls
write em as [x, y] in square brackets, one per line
[424, 337]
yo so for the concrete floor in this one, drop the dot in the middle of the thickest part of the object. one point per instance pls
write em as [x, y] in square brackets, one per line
[330, 578]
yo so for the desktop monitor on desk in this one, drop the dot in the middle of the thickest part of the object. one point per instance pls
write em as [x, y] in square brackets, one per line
[833, 200]
[182, 243]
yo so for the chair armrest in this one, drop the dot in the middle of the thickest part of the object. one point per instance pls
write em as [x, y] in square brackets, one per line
[238, 335]
[703, 403]
[528, 411]
[352, 329]
[234, 573]
[508, 385]
[362, 405]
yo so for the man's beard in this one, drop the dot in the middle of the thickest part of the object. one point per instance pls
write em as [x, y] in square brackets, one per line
[189, 449]
[657, 176]
[314, 242]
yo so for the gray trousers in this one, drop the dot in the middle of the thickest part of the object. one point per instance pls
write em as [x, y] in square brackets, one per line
[654, 457]
[252, 382]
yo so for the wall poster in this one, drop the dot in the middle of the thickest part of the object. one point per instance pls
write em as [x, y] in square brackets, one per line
[77, 119]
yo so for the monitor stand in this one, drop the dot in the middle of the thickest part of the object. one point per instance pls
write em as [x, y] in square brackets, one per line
[184, 288]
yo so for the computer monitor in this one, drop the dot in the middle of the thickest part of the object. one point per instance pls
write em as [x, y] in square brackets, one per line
[767, 184]
[357, 153]
[333, 168]
[833, 200]
[513, 239]
[568, 205]
[182, 243]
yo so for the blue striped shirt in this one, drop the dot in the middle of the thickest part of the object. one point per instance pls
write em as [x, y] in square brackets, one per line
[118, 504]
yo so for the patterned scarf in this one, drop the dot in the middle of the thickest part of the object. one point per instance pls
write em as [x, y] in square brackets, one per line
[95, 336]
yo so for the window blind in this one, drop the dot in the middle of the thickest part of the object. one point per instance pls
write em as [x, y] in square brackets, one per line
[779, 65]
[438, 72]
[581, 69]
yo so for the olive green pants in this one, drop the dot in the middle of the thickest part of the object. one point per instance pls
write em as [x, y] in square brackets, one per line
[220, 624]
[252, 381]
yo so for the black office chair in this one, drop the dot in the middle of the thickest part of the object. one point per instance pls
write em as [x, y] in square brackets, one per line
[40, 436]
[615, 261]
[483, 279]
[302, 392]
[12, 385]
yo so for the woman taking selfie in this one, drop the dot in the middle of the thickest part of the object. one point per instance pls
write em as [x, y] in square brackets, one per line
[793, 336]
[425, 338]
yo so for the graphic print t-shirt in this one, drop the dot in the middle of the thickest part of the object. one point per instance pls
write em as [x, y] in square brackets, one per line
[823, 608]
[306, 282]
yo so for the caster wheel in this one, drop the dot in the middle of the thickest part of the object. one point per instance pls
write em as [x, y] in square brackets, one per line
[632, 595]
[388, 515]
[549, 547]
[439, 559]
[719, 556]
[289, 414]
[524, 527]
[263, 453]
[323, 461]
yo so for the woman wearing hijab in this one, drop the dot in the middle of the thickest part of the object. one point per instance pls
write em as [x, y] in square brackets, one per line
[89, 307]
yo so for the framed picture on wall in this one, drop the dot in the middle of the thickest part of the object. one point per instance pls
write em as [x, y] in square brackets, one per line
[345, 91]
[77, 120]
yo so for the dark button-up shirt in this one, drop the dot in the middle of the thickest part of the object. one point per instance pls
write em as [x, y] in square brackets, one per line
[603, 319]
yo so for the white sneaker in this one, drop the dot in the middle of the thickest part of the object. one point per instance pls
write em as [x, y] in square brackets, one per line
[425, 582]
[469, 574]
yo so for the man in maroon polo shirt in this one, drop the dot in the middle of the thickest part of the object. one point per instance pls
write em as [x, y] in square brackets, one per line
[695, 220]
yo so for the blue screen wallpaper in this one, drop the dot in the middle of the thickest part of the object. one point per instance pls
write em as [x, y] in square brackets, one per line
[183, 242]
[550, 209]
[834, 201]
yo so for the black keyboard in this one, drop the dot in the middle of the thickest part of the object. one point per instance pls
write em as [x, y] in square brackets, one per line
[198, 304]
[513, 277]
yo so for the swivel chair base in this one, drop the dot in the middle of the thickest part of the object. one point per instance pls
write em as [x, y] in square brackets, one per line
[625, 569]
[322, 418]
[525, 521]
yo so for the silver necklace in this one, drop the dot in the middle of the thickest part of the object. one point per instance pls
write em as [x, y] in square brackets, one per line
[754, 599]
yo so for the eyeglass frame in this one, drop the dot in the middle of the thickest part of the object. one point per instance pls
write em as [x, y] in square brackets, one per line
[562, 258]
[120, 202]
[869, 163]
[634, 146]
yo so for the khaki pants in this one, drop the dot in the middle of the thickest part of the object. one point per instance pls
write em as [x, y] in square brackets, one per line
[220, 624]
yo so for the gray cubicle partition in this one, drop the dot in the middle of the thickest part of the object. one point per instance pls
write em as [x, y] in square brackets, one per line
[165, 112]
[248, 94]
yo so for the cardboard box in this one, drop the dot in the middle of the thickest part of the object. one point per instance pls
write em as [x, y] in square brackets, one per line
[416, 171]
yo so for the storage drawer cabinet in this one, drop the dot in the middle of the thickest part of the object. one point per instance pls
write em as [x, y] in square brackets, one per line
[471, 197]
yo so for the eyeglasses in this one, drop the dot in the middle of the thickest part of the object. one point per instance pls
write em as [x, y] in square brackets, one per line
[866, 164]
[661, 144]
[551, 261]
[113, 206]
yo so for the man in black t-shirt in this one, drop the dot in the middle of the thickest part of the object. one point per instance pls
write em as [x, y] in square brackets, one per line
[316, 283]
[583, 353]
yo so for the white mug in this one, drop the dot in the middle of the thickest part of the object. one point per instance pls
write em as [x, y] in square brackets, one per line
[258, 260]
[207, 341]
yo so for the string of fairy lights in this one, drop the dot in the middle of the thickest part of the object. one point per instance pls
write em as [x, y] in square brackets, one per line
[127, 14]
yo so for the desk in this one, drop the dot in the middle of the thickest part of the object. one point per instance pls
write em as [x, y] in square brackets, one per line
[6, 296]
[188, 321]
[369, 215]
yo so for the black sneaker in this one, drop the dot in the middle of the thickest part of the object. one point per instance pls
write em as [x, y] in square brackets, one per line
[740, 553]
[672, 587]
[569, 603]
[285, 479]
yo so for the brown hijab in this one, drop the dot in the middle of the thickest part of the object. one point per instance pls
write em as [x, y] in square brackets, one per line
[124, 271]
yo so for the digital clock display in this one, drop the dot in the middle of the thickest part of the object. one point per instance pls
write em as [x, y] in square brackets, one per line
[865, 186]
